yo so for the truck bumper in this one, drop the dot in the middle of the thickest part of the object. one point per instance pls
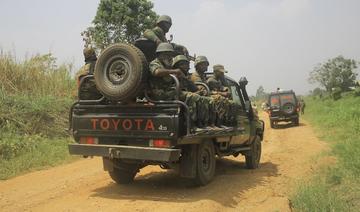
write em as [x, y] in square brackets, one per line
[283, 118]
[126, 152]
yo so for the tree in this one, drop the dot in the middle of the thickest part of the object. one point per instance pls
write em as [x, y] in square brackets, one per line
[260, 93]
[337, 72]
[119, 21]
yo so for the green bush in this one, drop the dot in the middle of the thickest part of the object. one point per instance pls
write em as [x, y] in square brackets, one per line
[20, 154]
[337, 188]
[336, 94]
[44, 115]
[35, 97]
[357, 91]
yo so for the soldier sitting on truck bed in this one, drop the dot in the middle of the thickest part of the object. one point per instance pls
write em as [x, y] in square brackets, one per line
[188, 91]
[218, 101]
[157, 34]
[88, 90]
[218, 86]
[162, 84]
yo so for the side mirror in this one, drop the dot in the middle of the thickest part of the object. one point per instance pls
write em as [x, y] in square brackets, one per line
[243, 81]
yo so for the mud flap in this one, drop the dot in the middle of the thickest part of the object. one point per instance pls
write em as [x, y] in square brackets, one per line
[108, 164]
[188, 161]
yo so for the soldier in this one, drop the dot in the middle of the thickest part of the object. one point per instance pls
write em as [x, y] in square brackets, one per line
[157, 34]
[88, 90]
[219, 78]
[161, 83]
[188, 88]
[201, 66]
[218, 103]
[302, 106]
[218, 86]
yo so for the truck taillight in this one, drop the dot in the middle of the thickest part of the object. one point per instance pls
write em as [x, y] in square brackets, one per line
[161, 143]
[89, 140]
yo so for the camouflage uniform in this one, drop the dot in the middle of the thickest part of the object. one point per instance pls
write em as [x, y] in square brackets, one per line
[162, 89]
[88, 90]
[156, 35]
[198, 103]
[218, 84]
[217, 102]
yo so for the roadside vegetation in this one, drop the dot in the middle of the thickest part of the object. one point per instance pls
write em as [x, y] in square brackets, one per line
[335, 188]
[35, 97]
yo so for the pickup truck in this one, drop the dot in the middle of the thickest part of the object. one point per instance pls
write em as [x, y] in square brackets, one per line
[131, 135]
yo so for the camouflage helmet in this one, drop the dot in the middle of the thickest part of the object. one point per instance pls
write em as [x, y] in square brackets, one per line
[164, 47]
[200, 59]
[179, 58]
[89, 53]
[219, 68]
[164, 18]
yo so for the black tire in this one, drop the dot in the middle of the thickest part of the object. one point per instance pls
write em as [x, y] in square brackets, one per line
[253, 158]
[296, 121]
[272, 124]
[123, 173]
[121, 72]
[206, 163]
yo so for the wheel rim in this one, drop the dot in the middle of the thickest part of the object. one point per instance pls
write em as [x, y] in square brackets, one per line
[288, 108]
[118, 69]
[206, 161]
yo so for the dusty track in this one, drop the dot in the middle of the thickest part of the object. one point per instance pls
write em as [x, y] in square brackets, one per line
[288, 156]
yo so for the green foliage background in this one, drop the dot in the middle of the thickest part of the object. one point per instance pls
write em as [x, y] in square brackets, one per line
[338, 72]
[119, 21]
[35, 97]
[335, 188]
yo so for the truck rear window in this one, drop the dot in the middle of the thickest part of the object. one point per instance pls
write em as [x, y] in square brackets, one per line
[276, 100]
[287, 98]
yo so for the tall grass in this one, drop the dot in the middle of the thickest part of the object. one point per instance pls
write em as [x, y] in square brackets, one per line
[35, 97]
[36, 76]
[337, 188]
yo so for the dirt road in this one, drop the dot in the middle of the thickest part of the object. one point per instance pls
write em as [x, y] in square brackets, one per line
[288, 155]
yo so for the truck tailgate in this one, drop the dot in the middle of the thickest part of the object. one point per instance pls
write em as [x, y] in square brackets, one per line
[124, 121]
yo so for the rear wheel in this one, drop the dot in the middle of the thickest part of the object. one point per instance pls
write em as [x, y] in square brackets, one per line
[123, 173]
[252, 159]
[206, 163]
[272, 124]
[296, 121]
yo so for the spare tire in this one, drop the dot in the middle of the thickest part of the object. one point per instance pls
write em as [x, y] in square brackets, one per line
[288, 108]
[121, 72]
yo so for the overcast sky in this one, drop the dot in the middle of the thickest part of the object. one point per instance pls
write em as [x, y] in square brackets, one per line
[274, 43]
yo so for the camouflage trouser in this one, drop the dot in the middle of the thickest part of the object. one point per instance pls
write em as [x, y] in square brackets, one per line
[198, 107]
[231, 112]
[159, 94]
[220, 106]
